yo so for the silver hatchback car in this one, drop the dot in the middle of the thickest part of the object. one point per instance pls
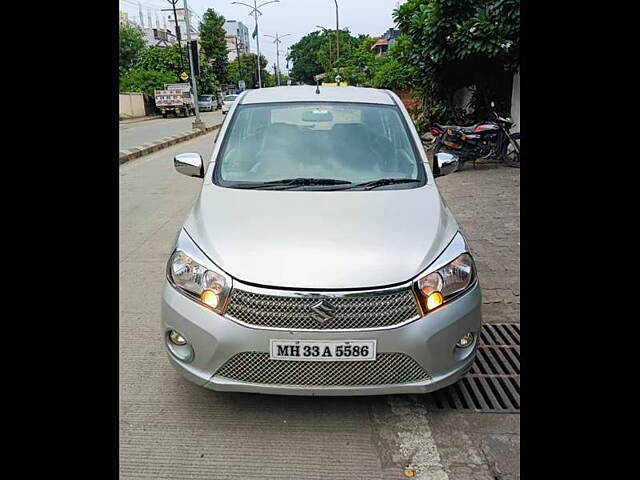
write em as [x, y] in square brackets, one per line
[319, 257]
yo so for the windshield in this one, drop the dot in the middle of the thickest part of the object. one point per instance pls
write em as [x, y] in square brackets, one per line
[351, 143]
[204, 98]
[230, 98]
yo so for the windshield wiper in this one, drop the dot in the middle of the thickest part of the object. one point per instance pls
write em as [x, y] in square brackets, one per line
[381, 182]
[294, 182]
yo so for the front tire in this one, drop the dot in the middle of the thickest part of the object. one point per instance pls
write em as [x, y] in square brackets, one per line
[511, 157]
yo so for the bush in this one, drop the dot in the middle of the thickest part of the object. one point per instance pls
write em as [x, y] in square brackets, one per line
[145, 81]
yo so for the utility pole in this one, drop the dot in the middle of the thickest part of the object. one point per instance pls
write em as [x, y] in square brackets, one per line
[255, 12]
[277, 42]
[175, 18]
[198, 123]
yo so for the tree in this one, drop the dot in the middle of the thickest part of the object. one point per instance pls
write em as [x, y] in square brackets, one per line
[451, 44]
[168, 60]
[212, 40]
[145, 81]
[131, 46]
[163, 59]
[390, 74]
[304, 56]
[359, 61]
[249, 70]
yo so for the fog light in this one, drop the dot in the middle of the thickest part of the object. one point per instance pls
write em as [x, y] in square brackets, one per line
[176, 338]
[179, 347]
[465, 341]
[434, 300]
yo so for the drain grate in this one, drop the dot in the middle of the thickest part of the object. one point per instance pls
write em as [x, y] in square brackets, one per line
[493, 383]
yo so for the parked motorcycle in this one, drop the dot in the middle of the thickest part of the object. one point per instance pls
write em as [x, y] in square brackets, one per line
[489, 139]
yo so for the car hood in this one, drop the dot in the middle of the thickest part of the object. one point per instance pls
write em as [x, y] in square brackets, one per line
[320, 239]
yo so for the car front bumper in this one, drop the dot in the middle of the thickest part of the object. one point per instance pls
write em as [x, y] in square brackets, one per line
[430, 341]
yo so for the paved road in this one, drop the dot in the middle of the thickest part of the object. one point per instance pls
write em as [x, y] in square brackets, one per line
[133, 134]
[171, 429]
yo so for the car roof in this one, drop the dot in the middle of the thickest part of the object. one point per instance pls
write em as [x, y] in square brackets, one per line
[307, 93]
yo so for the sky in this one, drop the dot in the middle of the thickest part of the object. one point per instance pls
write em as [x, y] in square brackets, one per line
[295, 17]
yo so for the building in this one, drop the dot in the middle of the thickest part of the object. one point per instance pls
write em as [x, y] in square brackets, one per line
[232, 47]
[123, 18]
[241, 32]
[381, 47]
[386, 41]
[159, 37]
[182, 25]
[391, 36]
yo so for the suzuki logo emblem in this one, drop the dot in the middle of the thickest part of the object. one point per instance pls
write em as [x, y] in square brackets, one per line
[323, 311]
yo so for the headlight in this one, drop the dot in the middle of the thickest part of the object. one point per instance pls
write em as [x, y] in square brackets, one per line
[449, 280]
[199, 279]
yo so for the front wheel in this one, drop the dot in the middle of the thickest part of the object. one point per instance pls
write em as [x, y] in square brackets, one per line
[511, 156]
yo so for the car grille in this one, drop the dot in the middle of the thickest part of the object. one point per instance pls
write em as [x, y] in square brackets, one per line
[373, 310]
[387, 369]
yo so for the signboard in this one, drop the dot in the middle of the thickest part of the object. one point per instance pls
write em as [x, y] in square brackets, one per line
[183, 87]
[184, 76]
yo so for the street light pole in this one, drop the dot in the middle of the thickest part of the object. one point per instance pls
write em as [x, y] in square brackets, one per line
[198, 123]
[337, 33]
[277, 42]
[255, 12]
[240, 77]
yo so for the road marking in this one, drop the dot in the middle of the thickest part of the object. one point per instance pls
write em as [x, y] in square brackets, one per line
[416, 446]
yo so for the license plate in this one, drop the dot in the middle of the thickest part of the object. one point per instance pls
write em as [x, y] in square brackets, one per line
[322, 350]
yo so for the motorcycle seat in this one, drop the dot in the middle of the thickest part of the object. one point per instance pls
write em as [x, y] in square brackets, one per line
[458, 127]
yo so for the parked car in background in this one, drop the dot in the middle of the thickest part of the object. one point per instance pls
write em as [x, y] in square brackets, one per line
[207, 103]
[227, 101]
[319, 257]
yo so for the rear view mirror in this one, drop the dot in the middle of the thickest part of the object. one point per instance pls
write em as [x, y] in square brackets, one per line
[317, 116]
[189, 164]
[444, 164]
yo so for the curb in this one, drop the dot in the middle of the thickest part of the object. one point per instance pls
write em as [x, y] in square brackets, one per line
[147, 148]
[126, 121]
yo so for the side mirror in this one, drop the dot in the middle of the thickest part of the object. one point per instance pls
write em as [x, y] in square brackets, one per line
[444, 164]
[189, 164]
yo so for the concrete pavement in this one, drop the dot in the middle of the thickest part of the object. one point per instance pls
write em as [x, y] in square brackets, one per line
[171, 429]
[137, 133]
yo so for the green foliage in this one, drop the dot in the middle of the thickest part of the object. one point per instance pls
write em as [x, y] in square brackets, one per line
[131, 46]
[249, 70]
[358, 62]
[173, 61]
[145, 81]
[207, 81]
[212, 40]
[451, 44]
[304, 55]
[164, 59]
[316, 53]
[389, 73]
